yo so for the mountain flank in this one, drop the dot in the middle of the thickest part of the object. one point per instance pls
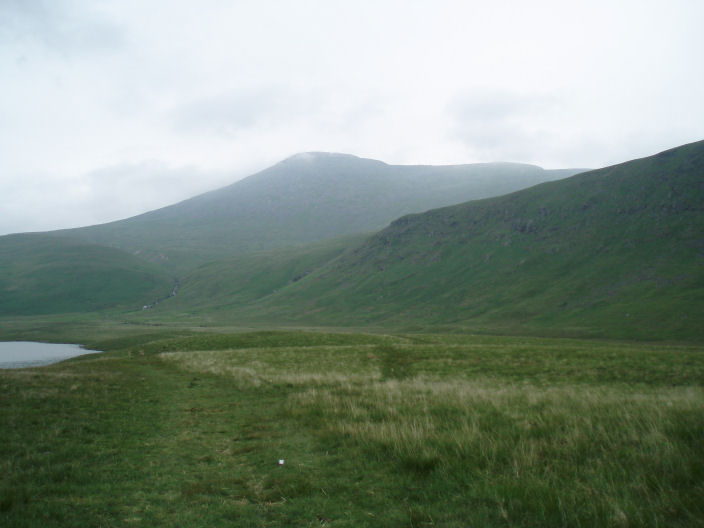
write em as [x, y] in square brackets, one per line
[306, 198]
[614, 252]
[41, 274]
[244, 279]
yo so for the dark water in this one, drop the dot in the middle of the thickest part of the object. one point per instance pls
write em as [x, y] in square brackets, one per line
[22, 354]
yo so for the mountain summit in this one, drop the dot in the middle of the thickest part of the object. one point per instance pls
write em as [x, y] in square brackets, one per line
[614, 252]
[304, 198]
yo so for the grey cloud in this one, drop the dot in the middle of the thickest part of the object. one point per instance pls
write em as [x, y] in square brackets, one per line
[226, 114]
[500, 125]
[139, 187]
[489, 106]
[498, 105]
[59, 26]
[103, 195]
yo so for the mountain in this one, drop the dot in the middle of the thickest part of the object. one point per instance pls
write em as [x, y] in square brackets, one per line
[41, 274]
[305, 198]
[615, 252]
[244, 279]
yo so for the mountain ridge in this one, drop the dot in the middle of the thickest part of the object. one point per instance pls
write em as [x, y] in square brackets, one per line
[304, 198]
[614, 252]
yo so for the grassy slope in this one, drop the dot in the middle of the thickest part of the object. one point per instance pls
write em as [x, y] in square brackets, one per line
[243, 279]
[374, 430]
[303, 199]
[42, 274]
[615, 252]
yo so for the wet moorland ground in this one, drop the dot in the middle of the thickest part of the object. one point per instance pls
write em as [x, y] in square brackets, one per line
[374, 430]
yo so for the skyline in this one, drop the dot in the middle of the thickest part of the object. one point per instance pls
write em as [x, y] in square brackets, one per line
[112, 110]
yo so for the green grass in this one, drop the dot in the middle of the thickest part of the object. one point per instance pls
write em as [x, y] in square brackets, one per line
[42, 274]
[244, 279]
[302, 200]
[612, 253]
[375, 430]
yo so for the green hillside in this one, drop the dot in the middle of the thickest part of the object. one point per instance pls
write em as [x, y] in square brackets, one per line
[42, 274]
[306, 198]
[613, 252]
[243, 279]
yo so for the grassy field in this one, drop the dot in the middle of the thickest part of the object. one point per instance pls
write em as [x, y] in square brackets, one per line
[375, 430]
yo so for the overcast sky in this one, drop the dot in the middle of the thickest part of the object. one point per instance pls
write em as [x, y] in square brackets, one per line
[112, 108]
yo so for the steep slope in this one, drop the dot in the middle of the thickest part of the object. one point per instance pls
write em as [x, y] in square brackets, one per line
[243, 279]
[42, 274]
[305, 198]
[615, 252]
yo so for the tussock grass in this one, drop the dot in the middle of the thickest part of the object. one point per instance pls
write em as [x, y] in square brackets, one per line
[569, 432]
[452, 422]
[299, 366]
[375, 431]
